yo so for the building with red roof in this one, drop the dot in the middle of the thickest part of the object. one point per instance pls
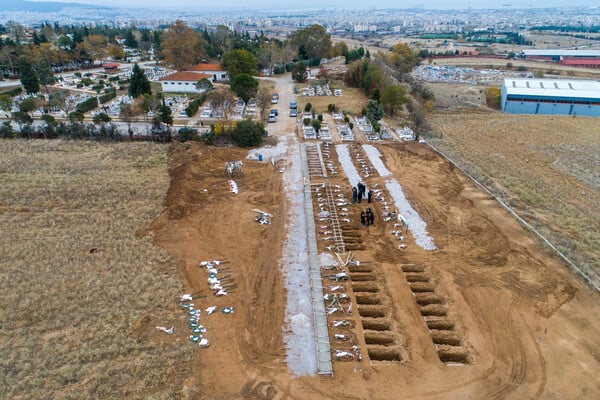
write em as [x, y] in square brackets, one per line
[185, 81]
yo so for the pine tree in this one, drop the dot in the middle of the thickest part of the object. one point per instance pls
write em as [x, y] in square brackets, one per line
[139, 84]
[29, 78]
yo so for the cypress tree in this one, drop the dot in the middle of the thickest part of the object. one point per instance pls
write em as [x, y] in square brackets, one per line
[139, 84]
[29, 78]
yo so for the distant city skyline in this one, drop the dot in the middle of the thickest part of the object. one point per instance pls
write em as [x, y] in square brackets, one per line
[195, 5]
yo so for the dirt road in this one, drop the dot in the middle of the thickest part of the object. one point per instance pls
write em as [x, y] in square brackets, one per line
[488, 315]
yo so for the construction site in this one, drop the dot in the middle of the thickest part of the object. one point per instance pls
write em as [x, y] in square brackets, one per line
[443, 295]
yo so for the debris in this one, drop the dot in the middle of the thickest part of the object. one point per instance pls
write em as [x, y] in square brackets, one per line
[339, 323]
[195, 338]
[165, 330]
[233, 187]
[341, 336]
[186, 297]
[211, 310]
[204, 343]
[341, 355]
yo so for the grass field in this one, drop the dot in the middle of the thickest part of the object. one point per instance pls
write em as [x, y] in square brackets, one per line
[81, 292]
[545, 166]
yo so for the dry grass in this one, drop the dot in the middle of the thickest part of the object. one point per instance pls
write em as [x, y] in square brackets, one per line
[352, 101]
[546, 167]
[70, 316]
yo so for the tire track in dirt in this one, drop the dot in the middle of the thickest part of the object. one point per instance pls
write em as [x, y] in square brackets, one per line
[519, 365]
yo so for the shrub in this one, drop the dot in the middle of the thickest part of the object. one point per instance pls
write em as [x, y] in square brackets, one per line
[108, 96]
[87, 105]
[492, 97]
[192, 108]
[307, 107]
[14, 92]
[306, 121]
[248, 133]
[331, 107]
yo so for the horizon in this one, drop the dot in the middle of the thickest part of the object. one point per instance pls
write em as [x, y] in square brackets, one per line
[195, 6]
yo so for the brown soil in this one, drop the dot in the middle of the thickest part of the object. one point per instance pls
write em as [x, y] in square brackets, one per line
[526, 328]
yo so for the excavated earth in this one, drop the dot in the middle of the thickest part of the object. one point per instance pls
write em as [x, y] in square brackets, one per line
[490, 314]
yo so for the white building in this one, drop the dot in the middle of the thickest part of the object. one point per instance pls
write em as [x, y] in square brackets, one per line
[182, 82]
[550, 96]
[214, 70]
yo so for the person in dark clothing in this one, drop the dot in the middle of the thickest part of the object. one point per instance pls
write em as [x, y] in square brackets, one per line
[369, 196]
[354, 195]
[363, 218]
[371, 218]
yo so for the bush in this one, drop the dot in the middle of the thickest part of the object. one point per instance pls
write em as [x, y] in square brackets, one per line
[108, 96]
[248, 133]
[14, 92]
[331, 108]
[187, 134]
[306, 121]
[192, 108]
[87, 105]
[307, 107]
[492, 97]
[113, 79]
[87, 81]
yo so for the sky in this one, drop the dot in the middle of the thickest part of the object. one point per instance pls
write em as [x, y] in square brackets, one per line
[195, 5]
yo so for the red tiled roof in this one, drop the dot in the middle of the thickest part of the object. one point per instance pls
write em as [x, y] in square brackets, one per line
[581, 62]
[110, 65]
[185, 77]
[206, 67]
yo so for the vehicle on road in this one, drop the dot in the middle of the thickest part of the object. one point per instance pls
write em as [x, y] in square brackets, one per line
[293, 105]
[293, 113]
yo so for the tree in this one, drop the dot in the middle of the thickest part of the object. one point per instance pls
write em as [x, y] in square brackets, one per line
[29, 78]
[248, 133]
[420, 124]
[181, 46]
[27, 105]
[165, 114]
[139, 84]
[220, 98]
[65, 42]
[5, 102]
[244, 85]
[374, 110]
[130, 40]
[312, 42]
[393, 97]
[45, 74]
[204, 85]
[101, 118]
[263, 100]
[239, 61]
[127, 114]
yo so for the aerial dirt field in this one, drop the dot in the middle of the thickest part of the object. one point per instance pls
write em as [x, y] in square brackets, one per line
[100, 240]
[489, 314]
[545, 167]
[526, 326]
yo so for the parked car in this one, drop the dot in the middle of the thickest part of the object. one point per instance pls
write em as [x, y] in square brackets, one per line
[293, 105]
[274, 100]
[272, 118]
[274, 112]
[293, 113]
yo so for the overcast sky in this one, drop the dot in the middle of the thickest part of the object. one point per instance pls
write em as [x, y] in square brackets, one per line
[348, 4]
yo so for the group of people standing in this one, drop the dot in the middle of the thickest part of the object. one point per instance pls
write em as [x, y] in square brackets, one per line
[358, 193]
[367, 218]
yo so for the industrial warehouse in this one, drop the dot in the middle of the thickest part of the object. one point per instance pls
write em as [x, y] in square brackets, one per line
[551, 96]
[575, 58]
